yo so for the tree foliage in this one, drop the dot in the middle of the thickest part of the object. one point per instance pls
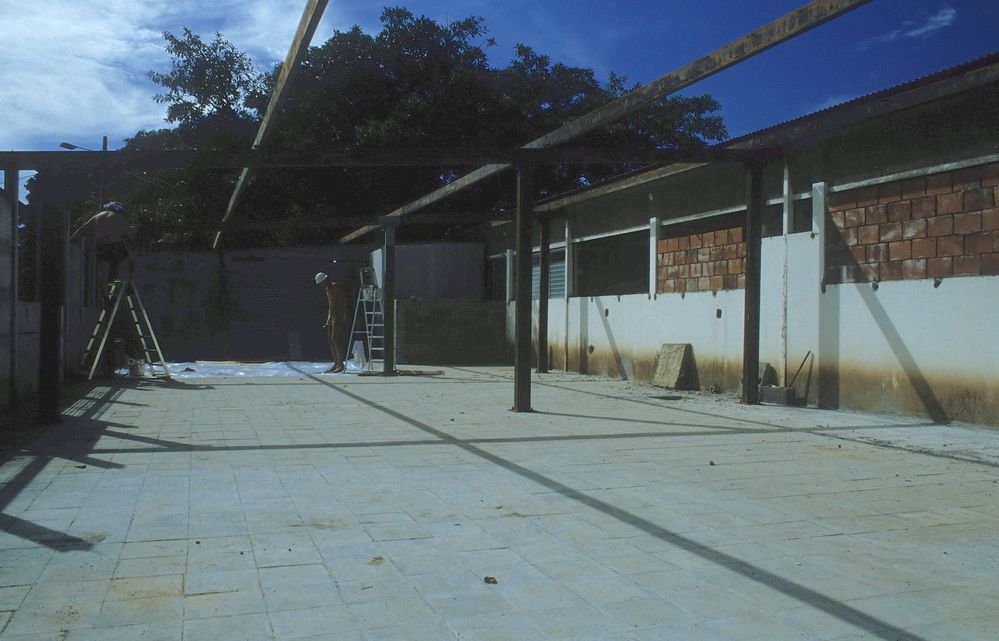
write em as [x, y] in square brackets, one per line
[415, 83]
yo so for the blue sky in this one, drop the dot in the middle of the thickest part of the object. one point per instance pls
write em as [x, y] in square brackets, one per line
[78, 68]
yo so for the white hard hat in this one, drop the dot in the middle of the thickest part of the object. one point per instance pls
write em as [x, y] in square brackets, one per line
[320, 277]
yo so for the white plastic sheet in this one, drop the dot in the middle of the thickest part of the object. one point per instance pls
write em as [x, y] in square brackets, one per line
[221, 369]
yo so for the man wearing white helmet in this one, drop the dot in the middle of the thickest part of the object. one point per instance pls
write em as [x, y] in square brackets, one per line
[336, 318]
[112, 236]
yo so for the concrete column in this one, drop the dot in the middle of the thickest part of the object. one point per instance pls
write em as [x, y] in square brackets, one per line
[567, 289]
[654, 231]
[53, 299]
[544, 269]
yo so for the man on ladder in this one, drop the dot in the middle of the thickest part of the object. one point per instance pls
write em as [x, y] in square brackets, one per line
[112, 238]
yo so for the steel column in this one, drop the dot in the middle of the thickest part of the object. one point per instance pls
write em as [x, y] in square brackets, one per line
[752, 235]
[544, 269]
[388, 298]
[11, 189]
[522, 308]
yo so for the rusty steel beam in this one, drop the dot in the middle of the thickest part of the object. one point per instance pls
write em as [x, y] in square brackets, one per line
[311, 16]
[793, 24]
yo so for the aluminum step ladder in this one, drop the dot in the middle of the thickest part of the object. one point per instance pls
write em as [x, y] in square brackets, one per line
[369, 319]
[124, 290]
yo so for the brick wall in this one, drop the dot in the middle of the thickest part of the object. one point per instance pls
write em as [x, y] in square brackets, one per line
[938, 226]
[705, 261]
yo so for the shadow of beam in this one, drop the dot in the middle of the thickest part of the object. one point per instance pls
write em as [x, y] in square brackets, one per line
[749, 571]
[58, 541]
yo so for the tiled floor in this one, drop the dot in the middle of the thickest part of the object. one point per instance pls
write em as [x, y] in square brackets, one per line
[341, 507]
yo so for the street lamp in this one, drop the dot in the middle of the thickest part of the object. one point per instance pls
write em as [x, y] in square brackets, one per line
[100, 176]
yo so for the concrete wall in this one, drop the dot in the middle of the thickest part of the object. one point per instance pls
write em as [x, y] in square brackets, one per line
[436, 271]
[451, 333]
[244, 305]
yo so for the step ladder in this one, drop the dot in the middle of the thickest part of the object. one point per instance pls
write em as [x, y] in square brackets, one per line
[369, 319]
[124, 290]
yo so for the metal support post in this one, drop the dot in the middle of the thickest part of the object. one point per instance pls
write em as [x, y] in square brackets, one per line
[751, 328]
[522, 309]
[11, 189]
[544, 269]
[388, 296]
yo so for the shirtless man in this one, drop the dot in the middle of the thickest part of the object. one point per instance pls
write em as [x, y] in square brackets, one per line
[112, 237]
[336, 318]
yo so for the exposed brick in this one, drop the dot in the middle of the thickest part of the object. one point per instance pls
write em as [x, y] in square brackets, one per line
[990, 175]
[735, 266]
[950, 246]
[703, 255]
[938, 184]
[891, 270]
[914, 268]
[690, 285]
[924, 248]
[735, 235]
[696, 270]
[704, 283]
[742, 250]
[967, 223]
[939, 267]
[850, 237]
[717, 282]
[899, 211]
[708, 269]
[721, 237]
[900, 250]
[923, 207]
[684, 271]
[666, 287]
[965, 265]
[981, 243]
[990, 219]
[858, 253]
[673, 272]
[990, 265]
[742, 281]
[716, 252]
[968, 178]
[867, 196]
[951, 203]
[889, 192]
[842, 200]
[683, 243]
[853, 218]
[891, 232]
[978, 199]
[868, 235]
[731, 281]
[995, 240]
[875, 214]
[838, 219]
[913, 188]
[662, 245]
[940, 226]
[877, 253]
[731, 251]
[915, 228]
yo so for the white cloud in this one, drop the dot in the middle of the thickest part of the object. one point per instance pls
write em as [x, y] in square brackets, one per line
[77, 69]
[942, 19]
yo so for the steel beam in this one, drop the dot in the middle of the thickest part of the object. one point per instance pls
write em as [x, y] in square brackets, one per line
[388, 298]
[311, 16]
[752, 234]
[793, 24]
[522, 308]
